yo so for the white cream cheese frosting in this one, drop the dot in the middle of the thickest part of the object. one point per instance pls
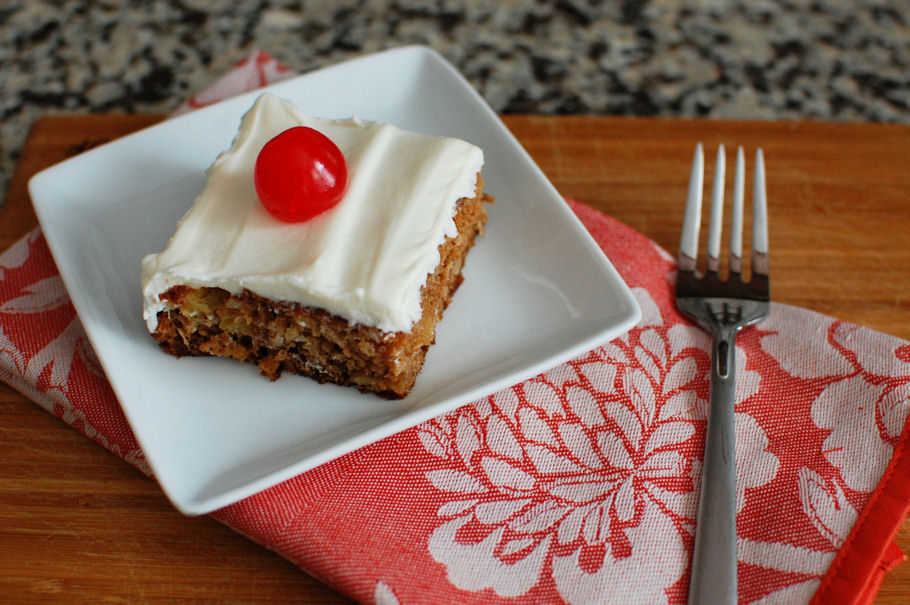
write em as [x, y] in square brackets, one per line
[365, 260]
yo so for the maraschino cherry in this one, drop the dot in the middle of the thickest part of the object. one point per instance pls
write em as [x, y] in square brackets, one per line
[299, 174]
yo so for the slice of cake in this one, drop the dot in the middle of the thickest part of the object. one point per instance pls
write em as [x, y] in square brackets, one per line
[351, 296]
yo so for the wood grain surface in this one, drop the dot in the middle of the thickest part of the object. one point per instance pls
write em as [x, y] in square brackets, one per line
[79, 525]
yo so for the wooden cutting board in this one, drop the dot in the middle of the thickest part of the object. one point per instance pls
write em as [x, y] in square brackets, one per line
[78, 523]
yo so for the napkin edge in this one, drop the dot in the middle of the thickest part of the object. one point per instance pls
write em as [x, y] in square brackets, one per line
[870, 551]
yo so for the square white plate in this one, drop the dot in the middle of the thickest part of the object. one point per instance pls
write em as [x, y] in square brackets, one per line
[538, 289]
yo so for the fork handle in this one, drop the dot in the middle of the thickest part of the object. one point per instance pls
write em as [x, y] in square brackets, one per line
[713, 575]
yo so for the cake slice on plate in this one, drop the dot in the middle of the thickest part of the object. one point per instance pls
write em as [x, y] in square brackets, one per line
[343, 280]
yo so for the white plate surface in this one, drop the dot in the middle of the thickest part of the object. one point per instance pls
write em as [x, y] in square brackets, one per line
[538, 290]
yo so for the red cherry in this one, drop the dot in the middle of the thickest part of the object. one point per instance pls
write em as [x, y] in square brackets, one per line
[299, 174]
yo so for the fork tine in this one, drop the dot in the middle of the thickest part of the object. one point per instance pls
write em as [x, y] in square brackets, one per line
[759, 217]
[688, 245]
[736, 229]
[717, 210]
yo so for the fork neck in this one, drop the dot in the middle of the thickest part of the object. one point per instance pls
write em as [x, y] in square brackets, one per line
[723, 363]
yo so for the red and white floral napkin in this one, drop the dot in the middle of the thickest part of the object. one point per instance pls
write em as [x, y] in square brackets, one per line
[578, 485]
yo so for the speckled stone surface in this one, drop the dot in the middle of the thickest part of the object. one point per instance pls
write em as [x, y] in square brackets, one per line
[753, 59]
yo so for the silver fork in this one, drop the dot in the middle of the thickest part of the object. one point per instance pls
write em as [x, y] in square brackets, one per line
[722, 307]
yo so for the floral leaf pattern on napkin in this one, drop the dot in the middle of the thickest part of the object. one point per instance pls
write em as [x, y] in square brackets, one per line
[574, 473]
[45, 354]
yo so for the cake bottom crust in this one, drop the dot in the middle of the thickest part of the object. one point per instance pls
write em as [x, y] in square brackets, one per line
[278, 336]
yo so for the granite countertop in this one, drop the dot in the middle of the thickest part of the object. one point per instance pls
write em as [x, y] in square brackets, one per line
[752, 59]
